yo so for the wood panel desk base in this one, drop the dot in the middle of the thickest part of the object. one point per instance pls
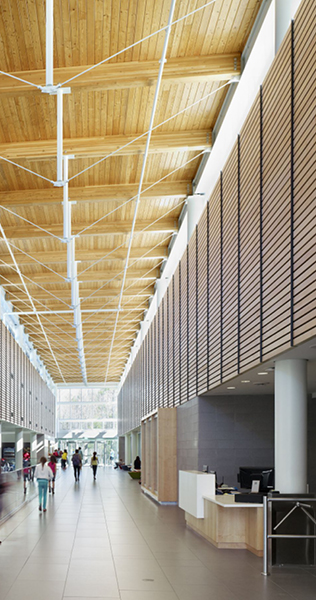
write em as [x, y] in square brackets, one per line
[228, 525]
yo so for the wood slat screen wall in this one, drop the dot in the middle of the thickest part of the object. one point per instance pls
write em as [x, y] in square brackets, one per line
[244, 290]
[192, 314]
[25, 399]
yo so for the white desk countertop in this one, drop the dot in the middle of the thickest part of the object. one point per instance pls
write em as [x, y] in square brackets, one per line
[228, 501]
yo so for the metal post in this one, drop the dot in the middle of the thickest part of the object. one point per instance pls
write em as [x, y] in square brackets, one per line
[265, 537]
[49, 42]
[65, 201]
[60, 98]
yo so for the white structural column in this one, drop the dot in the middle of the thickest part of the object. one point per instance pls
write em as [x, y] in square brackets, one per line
[33, 448]
[19, 449]
[291, 426]
[134, 448]
[41, 446]
[195, 206]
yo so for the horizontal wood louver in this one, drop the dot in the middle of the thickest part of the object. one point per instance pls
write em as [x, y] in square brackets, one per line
[276, 203]
[165, 353]
[22, 388]
[203, 304]
[304, 177]
[250, 239]
[183, 300]
[177, 335]
[252, 267]
[159, 360]
[192, 316]
[214, 288]
[230, 267]
[171, 335]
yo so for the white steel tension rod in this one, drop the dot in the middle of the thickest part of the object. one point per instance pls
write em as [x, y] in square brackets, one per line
[62, 181]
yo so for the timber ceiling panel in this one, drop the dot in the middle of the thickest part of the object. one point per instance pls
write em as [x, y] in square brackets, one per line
[108, 108]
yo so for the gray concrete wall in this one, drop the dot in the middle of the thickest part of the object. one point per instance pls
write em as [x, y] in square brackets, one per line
[235, 431]
[188, 435]
[226, 433]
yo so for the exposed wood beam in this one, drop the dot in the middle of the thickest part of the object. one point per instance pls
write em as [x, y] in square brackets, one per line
[216, 67]
[96, 147]
[89, 276]
[94, 193]
[38, 294]
[121, 227]
[87, 255]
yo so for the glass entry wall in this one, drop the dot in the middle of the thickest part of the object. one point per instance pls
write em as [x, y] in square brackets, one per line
[87, 418]
[104, 449]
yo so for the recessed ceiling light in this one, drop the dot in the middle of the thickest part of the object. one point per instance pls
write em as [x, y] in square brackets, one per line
[231, 387]
[263, 373]
[246, 381]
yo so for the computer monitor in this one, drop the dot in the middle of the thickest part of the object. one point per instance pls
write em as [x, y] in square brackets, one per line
[249, 474]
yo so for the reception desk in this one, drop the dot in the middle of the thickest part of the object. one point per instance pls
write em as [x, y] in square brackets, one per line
[219, 519]
[228, 524]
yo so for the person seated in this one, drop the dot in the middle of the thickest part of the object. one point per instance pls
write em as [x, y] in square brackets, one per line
[137, 464]
[119, 463]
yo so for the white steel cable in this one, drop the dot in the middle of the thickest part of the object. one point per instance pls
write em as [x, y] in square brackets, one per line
[84, 298]
[125, 289]
[31, 281]
[145, 133]
[118, 295]
[140, 309]
[25, 169]
[38, 261]
[26, 313]
[153, 112]
[153, 129]
[30, 222]
[142, 192]
[137, 43]
[31, 301]
[20, 79]
[135, 234]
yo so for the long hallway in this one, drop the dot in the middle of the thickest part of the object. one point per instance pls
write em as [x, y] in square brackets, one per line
[106, 540]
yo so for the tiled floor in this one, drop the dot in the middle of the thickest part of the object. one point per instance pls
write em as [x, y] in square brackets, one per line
[106, 540]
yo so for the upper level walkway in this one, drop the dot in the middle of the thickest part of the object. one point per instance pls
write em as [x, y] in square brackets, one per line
[106, 540]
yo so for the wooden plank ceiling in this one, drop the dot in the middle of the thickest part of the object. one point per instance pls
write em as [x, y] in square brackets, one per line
[107, 108]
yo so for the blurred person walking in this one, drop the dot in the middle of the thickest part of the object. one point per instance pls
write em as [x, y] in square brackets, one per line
[64, 459]
[53, 466]
[43, 474]
[76, 461]
[94, 465]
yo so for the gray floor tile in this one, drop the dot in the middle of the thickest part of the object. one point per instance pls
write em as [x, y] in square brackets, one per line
[109, 541]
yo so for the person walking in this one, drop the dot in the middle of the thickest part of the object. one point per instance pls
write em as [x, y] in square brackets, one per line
[64, 459]
[43, 474]
[76, 461]
[53, 466]
[80, 454]
[94, 465]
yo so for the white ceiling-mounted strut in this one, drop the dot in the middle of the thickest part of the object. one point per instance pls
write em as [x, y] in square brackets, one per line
[49, 43]
[72, 269]
[62, 181]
